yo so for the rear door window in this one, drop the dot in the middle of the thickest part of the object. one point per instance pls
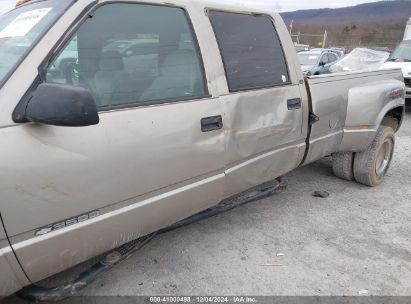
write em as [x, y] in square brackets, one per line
[251, 50]
[324, 59]
[332, 57]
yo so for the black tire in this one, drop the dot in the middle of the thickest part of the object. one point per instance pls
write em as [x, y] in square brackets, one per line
[371, 165]
[343, 165]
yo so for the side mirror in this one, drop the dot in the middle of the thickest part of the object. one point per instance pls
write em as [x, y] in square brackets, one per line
[62, 105]
[322, 63]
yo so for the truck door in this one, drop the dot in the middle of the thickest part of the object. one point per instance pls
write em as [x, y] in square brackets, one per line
[157, 155]
[12, 278]
[263, 104]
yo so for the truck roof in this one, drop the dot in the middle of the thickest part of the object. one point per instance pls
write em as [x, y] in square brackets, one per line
[257, 6]
[248, 6]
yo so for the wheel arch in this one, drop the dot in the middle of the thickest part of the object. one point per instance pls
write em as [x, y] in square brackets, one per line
[358, 138]
[395, 115]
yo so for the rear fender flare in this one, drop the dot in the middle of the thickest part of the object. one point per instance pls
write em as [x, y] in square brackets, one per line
[366, 109]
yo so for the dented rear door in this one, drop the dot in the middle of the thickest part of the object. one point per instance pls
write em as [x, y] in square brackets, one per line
[263, 102]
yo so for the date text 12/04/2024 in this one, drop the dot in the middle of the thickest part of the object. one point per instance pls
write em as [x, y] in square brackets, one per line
[236, 299]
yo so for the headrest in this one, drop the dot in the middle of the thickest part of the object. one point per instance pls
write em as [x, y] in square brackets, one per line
[111, 61]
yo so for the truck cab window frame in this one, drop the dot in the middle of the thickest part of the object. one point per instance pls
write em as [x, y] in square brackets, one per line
[283, 78]
[187, 45]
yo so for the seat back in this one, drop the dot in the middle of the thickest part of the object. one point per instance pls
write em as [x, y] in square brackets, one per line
[112, 83]
[178, 77]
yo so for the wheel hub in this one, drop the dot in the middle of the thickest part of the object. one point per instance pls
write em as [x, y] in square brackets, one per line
[383, 157]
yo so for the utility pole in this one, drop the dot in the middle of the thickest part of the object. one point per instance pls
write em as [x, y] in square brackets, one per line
[325, 39]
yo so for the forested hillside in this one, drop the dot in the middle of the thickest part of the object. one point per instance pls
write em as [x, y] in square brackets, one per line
[378, 24]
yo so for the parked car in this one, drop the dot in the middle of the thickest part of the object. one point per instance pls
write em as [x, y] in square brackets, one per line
[314, 60]
[339, 51]
[97, 159]
[359, 59]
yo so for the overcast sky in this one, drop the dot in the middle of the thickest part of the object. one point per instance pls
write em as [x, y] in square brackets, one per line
[283, 5]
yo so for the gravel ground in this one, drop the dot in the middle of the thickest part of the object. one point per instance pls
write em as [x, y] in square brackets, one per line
[356, 241]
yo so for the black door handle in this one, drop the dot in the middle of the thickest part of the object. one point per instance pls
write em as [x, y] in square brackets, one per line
[294, 104]
[211, 123]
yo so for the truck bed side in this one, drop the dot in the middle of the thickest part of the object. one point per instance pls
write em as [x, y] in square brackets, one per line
[350, 108]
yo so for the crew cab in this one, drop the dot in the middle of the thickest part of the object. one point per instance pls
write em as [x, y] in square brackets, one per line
[401, 59]
[161, 110]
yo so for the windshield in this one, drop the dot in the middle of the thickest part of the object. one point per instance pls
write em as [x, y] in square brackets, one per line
[308, 59]
[301, 48]
[402, 53]
[21, 28]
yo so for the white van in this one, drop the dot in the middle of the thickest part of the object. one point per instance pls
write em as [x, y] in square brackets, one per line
[401, 58]
[407, 34]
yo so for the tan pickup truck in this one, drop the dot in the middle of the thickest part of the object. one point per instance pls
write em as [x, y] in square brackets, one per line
[119, 118]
